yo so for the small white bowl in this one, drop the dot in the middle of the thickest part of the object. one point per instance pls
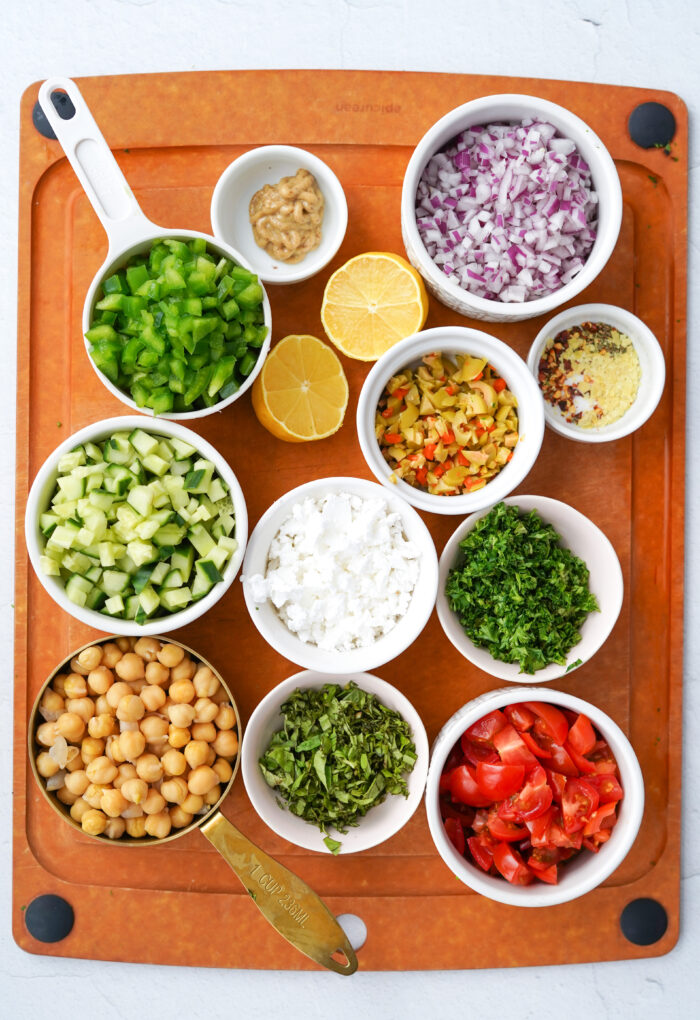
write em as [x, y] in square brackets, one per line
[586, 541]
[454, 340]
[381, 821]
[267, 165]
[585, 871]
[510, 108]
[651, 361]
[39, 500]
[267, 620]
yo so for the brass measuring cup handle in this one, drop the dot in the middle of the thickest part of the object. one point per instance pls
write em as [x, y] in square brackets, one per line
[290, 906]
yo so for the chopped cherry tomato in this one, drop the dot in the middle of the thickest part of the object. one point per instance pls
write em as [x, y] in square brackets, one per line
[511, 865]
[477, 752]
[578, 804]
[532, 744]
[455, 834]
[557, 782]
[535, 796]
[560, 761]
[445, 784]
[602, 818]
[553, 720]
[590, 844]
[484, 730]
[464, 788]
[460, 812]
[539, 828]
[519, 716]
[499, 781]
[556, 836]
[544, 874]
[582, 735]
[454, 759]
[481, 820]
[602, 758]
[508, 832]
[481, 852]
[585, 767]
[609, 790]
[512, 748]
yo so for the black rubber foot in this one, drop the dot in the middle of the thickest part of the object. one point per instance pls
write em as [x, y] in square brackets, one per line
[49, 918]
[651, 125]
[41, 123]
[643, 922]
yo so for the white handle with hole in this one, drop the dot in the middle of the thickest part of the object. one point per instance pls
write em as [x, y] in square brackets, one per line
[96, 168]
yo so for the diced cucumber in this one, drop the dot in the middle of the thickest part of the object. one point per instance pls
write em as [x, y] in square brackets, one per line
[201, 540]
[217, 490]
[182, 449]
[114, 582]
[170, 534]
[160, 572]
[149, 600]
[47, 522]
[114, 605]
[141, 498]
[173, 579]
[155, 464]
[143, 443]
[51, 568]
[208, 570]
[71, 487]
[183, 560]
[96, 599]
[77, 589]
[141, 552]
[176, 598]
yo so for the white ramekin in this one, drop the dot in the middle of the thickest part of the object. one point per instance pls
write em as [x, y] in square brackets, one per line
[511, 108]
[267, 620]
[586, 541]
[267, 165]
[381, 821]
[454, 340]
[39, 499]
[651, 361]
[585, 871]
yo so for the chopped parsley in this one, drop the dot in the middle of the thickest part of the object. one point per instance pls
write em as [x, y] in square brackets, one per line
[340, 752]
[517, 592]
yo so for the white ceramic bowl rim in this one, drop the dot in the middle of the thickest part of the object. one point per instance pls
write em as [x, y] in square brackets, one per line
[507, 107]
[40, 494]
[582, 873]
[462, 340]
[406, 630]
[651, 359]
[382, 821]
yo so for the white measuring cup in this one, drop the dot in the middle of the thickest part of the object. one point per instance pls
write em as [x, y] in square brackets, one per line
[129, 232]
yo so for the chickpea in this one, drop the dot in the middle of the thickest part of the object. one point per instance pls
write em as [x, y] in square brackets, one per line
[226, 744]
[75, 686]
[66, 797]
[52, 701]
[223, 770]
[124, 772]
[178, 817]
[157, 674]
[111, 654]
[94, 822]
[47, 767]
[181, 716]
[118, 691]
[132, 744]
[114, 750]
[78, 808]
[174, 762]
[205, 683]
[171, 655]
[84, 707]
[154, 728]
[70, 726]
[136, 827]
[124, 644]
[184, 670]
[154, 803]
[182, 692]
[75, 759]
[205, 711]
[77, 667]
[93, 794]
[59, 684]
[101, 771]
[196, 752]
[201, 780]
[149, 768]
[103, 707]
[204, 731]
[220, 697]
[90, 658]
[115, 828]
[192, 803]
[102, 725]
[130, 708]
[113, 803]
[91, 748]
[138, 685]
[135, 790]
[147, 648]
[178, 736]
[77, 782]
[158, 825]
[211, 755]
[174, 790]
[213, 795]
[153, 697]
[225, 718]
[47, 733]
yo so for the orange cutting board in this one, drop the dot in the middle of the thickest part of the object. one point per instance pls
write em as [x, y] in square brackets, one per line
[173, 134]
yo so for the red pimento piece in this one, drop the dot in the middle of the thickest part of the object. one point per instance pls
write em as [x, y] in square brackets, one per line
[393, 437]
[499, 385]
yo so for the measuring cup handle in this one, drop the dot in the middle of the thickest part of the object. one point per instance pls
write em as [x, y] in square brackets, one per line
[95, 166]
[291, 907]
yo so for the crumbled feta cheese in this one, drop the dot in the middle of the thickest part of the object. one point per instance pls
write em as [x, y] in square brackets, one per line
[340, 571]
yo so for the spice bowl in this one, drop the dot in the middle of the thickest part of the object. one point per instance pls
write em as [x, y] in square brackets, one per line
[452, 340]
[359, 657]
[585, 540]
[651, 362]
[585, 871]
[267, 165]
[383, 820]
[507, 109]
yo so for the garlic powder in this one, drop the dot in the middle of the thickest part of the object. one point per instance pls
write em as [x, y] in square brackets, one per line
[340, 571]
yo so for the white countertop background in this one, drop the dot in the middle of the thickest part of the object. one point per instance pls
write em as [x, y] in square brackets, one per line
[622, 42]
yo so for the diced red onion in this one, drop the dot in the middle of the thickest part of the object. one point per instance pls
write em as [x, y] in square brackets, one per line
[501, 197]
